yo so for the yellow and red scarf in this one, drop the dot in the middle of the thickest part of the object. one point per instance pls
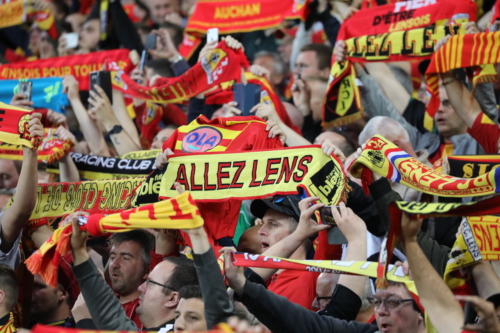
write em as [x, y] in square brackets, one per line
[244, 15]
[479, 51]
[470, 166]
[80, 66]
[389, 161]
[50, 150]
[177, 213]
[14, 126]
[10, 326]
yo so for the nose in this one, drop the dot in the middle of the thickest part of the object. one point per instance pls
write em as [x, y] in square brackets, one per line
[262, 231]
[115, 263]
[382, 310]
[179, 325]
[142, 287]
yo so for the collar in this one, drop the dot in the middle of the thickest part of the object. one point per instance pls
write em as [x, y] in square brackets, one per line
[5, 319]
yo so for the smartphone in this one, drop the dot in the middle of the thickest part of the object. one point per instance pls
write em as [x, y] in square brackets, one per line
[150, 42]
[213, 35]
[103, 80]
[470, 313]
[71, 40]
[326, 215]
[247, 96]
[25, 88]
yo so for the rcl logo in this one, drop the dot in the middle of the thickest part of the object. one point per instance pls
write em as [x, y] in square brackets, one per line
[414, 4]
[201, 139]
[218, 70]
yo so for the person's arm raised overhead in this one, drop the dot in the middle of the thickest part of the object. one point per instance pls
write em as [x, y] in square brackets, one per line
[17, 215]
[89, 128]
[444, 312]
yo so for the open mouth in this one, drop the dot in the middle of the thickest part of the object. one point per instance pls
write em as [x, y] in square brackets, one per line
[385, 327]
[265, 246]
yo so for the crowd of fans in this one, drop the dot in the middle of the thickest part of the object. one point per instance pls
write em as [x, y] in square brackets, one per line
[149, 280]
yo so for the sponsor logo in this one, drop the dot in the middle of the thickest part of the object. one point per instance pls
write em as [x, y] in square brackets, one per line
[201, 139]
[327, 181]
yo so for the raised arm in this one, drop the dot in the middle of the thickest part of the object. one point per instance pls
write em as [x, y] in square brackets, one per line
[88, 127]
[443, 310]
[121, 113]
[17, 215]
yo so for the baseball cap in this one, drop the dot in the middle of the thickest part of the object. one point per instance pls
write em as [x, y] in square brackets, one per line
[285, 204]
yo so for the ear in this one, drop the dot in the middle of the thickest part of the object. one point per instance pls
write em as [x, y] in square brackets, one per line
[172, 300]
[420, 317]
[2, 296]
[397, 143]
[63, 294]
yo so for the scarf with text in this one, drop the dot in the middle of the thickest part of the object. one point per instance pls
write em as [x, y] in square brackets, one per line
[342, 103]
[220, 65]
[47, 93]
[256, 174]
[479, 51]
[362, 268]
[389, 161]
[80, 66]
[55, 200]
[470, 166]
[14, 126]
[50, 149]
[176, 213]
[244, 15]
[94, 167]
[189, 45]
[220, 328]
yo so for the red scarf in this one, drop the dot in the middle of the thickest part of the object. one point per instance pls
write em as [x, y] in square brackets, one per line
[220, 65]
[79, 66]
[14, 127]
[244, 15]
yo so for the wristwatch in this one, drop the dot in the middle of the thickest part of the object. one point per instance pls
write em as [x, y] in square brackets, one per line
[116, 129]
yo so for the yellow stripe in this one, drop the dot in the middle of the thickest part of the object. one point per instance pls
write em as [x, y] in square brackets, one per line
[453, 51]
[496, 45]
[479, 51]
[489, 43]
[459, 49]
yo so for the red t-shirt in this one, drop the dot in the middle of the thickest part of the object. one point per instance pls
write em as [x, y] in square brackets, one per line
[130, 308]
[218, 135]
[297, 286]
[486, 133]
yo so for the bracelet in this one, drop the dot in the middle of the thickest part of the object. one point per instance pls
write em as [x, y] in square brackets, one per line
[175, 59]
[449, 81]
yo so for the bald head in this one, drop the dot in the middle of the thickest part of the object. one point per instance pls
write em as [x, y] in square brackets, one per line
[325, 284]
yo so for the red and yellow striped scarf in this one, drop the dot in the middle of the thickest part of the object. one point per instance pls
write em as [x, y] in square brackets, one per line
[9, 327]
[176, 213]
[14, 126]
[480, 50]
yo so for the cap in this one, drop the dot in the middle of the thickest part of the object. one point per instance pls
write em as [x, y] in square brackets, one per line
[285, 204]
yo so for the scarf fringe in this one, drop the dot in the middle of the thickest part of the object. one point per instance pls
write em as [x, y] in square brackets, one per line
[343, 121]
[366, 180]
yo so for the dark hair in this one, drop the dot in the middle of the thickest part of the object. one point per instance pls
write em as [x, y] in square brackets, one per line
[144, 238]
[178, 32]
[9, 285]
[193, 291]
[160, 67]
[184, 274]
[323, 54]
[61, 7]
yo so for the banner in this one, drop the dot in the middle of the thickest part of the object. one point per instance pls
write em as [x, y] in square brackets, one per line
[220, 65]
[256, 174]
[176, 213]
[470, 166]
[463, 51]
[47, 93]
[387, 160]
[94, 167]
[50, 150]
[14, 127]
[406, 15]
[55, 200]
[80, 66]
[244, 15]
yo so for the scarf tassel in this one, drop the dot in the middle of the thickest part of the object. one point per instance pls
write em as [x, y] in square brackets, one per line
[366, 180]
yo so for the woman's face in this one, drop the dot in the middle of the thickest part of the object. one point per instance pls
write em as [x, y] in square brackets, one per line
[89, 36]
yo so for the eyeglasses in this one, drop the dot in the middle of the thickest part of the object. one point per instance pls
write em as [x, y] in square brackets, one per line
[148, 282]
[390, 303]
[279, 198]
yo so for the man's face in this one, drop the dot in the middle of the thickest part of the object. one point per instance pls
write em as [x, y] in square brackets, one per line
[268, 63]
[285, 49]
[126, 268]
[153, 300]
[160, 8]
[275, 227]
[161, 137]
[401, 319]
[308, 64]
[190, 316]
[44, 299]
[447, 121]
[324, 288]
[8, 174]
[90, 34]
